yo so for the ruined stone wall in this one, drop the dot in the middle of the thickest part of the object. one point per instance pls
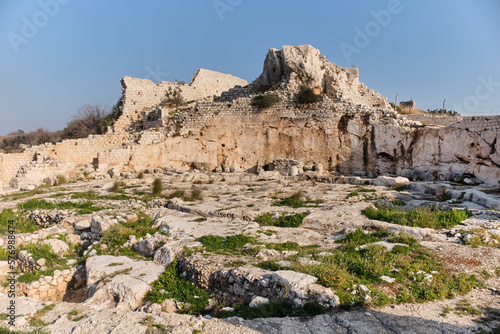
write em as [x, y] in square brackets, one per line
[345, 85]
[47, 288]
[427, 119]
[75, 151]
[140, 95]
[479, 123]
[10, 164]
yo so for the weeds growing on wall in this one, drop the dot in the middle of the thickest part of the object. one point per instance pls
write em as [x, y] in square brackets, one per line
[265, 101]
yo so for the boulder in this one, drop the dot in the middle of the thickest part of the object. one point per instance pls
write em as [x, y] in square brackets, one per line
[388, 181]
[58, 246]
[119, 280]
[148, 246]
[293, 279]
[82, 224]
[168, 252]
[258, 301]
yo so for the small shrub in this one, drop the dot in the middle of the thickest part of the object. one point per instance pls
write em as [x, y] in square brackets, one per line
[179, 193]
[61, 179]
[4, 254]
[41, 312]
[20, 224]
[284, 246]
[171, 285]
[157, 187]
[234, 243]
[196, 194]
[265, 101]
[294, 220]
[398, 249]
[140, 175]
[445, 197]
[420, 217]
[173, 98]
[359, 237]
[306, 95]
[296, 201]
[237, 263]
[269, 265]
[117, 185]
[34, 276]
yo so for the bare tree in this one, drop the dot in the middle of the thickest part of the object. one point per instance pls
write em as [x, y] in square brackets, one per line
[85, 121]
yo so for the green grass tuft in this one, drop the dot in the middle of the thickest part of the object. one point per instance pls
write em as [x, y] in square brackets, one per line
[429, 218]
[296, 201]
[294, 220]
[193, 299]
[233, 244]
[157, 187]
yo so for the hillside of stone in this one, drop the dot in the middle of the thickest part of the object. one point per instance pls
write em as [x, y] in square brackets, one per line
[350, 130]
[299, 203]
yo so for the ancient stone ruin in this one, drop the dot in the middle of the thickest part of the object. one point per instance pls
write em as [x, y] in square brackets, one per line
[221, 206]
[353, 130]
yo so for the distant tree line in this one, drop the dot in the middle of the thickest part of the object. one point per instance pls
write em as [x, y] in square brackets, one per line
[90, 119]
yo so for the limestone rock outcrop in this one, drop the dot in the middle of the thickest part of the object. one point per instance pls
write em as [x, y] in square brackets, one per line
[315, 71]
[353, 130]
[119, 281]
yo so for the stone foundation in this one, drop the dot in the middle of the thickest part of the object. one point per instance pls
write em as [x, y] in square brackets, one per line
[47, 288]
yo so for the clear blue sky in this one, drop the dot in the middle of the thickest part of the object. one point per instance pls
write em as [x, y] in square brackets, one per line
[427, 50]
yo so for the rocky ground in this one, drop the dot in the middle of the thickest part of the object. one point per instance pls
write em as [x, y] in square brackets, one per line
[89, 251]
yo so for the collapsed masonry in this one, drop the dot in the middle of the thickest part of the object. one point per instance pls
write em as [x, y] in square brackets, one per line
[353, 130]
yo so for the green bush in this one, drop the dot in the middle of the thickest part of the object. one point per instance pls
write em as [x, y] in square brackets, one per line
[265, 101]
[285, 220]
[110, 119]
[179, 193]
[61, 179]
[233, 244]
[306, 95]
[4, 254]
[116, 186]
[284, 246]
[420, 217]
[119, 233]
[170, 285]
[269, 265]
[296, 201]
[359, 237]
[196, 194]
[157, 187]
[20, 225]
